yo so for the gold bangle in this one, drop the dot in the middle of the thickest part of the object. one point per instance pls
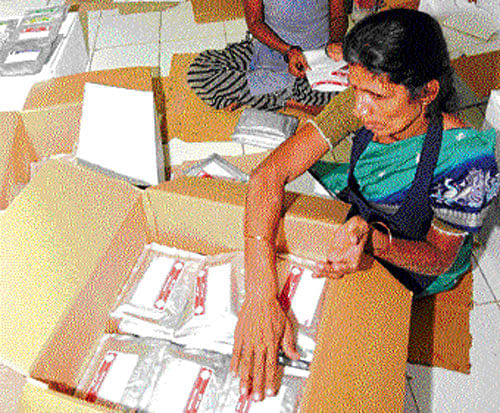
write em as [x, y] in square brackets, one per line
[383, 228]
[258, 238]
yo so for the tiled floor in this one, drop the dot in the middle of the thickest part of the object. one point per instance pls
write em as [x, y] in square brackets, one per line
[150, 39]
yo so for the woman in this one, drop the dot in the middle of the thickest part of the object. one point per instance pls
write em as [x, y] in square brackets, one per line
[268, 71]
[419, 183]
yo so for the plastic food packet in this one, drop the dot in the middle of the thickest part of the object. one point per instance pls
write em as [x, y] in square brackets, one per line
[286, 401]
[150, 375]
[51, 12]
[121, 371]
[43, 32]
[217, 299]
[158, 294]
[216, 166]
[7, 29]
[24, 58]
[188, 382]
[263, 128]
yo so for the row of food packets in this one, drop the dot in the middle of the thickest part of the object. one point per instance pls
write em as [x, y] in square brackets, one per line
[182, 303]
[26, 43]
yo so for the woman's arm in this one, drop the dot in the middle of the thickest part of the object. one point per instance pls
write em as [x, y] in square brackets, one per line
[262, 326]
[356, 237]
[254, 16]
[434, 256]
[338, 28]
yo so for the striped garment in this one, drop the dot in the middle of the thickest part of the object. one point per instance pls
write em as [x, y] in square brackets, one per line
[219, 78]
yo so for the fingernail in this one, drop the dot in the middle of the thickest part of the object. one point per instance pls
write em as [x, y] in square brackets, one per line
[269, 392]
[256, 396]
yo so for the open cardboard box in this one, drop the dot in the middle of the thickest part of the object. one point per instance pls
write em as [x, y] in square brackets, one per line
[49, 124]
[71, 236]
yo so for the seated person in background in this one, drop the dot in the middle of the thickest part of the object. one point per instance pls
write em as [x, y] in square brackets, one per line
[419, 184]
[268, 72]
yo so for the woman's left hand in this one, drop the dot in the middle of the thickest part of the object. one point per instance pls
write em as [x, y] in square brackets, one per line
[334, 51]
[346, 249]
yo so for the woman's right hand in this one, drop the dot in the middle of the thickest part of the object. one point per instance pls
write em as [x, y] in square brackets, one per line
[262, 330]
[297, 63]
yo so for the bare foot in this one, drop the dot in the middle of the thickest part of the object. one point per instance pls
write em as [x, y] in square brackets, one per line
[310, 109]
[232, 107]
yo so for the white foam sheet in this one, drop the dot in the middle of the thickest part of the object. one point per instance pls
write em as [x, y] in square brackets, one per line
[117, 132]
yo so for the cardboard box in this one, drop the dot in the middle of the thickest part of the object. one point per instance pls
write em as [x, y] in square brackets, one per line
[481, 72]
[49, 124]
[217, 10]
[71, 237]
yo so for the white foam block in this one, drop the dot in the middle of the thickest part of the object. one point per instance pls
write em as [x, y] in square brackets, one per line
[117, 132]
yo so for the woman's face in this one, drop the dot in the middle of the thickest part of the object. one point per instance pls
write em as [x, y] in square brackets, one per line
[384, 107]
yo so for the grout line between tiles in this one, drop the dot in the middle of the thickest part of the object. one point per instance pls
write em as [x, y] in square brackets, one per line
[492, 292]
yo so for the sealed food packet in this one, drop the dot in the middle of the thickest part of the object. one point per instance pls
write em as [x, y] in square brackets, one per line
[52, 12]
[286, 401]
[217, 299]
[150, 375]
[121, 371]
[220, 292]
[158, 295]
[215, 166]
[188, 382]
[43, 32]
[24, 58]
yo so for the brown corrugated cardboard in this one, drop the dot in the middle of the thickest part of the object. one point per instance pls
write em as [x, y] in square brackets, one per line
[480, 72]
[192, 120]
[83, 232]
[206, 11]
[14, 155]
[50, 122]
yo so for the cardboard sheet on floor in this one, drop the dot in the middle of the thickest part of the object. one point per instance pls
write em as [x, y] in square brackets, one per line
[206, 11]
[481, 72]
[188, 117]
[72, 233]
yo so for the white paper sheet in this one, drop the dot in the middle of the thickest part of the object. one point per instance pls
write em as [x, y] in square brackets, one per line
[117, 132]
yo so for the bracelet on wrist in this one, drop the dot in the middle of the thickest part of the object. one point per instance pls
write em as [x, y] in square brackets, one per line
[285, 55]
[384, 229]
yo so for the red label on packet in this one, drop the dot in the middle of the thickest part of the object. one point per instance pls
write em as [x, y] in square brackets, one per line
[203, 174]
[199, 388]
[168, 285]
[35, 29]
[100, 376]
[244, 404]
[288, 291]
[200, 292]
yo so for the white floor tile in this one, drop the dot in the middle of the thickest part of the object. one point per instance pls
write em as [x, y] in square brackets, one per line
[178, 24]
[169, 48]
[235, 30]
[126, 56]
[488, 259]
[122, 30]
[94, 21]
[438, 390]
[482, 292]
[410, 404]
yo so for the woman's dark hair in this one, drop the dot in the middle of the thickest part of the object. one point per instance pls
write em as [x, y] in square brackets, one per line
[409, 47]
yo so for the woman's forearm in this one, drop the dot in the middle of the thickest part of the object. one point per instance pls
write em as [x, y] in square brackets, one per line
[259, 29]
[338, 20]
[434, 256]
[262, 215]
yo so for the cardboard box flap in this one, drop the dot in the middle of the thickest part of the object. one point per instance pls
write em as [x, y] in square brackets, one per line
[15, 155]
[53, 235]
[39, 399]
[360, 360]
[182, 209]
[70, 89]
